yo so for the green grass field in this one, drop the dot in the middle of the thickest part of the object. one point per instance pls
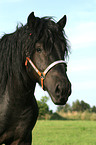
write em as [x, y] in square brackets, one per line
[64, 133]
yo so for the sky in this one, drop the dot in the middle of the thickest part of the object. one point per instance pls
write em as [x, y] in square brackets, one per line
[80, 30]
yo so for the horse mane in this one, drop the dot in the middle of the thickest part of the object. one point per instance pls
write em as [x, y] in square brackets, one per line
[14, 46]
[49, 27]
[10, 56]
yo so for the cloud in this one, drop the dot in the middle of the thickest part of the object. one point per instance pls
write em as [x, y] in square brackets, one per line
[82, 65]
[82, 68]
[85, 85]
[85, 34]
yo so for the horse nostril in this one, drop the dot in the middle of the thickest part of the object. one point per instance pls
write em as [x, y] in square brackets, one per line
[62, 90]
[57, 91]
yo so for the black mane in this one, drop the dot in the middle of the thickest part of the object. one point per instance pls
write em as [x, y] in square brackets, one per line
[14, 46]
[47, 26]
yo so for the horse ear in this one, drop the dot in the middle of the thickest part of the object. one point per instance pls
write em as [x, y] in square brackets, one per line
[62, 22]
[31, 20]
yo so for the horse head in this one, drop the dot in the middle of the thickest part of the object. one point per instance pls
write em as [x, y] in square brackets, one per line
[45, 62]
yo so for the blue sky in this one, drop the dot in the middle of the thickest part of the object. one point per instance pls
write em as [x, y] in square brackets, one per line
[81, 32]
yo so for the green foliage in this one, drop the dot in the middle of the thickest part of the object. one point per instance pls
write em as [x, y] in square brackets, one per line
[43, 107]
[76, 106]
[79, 110]
[60, 108]
[93, 109]
[80, 106]
[44, 99]
[56, 116]
[64, 108]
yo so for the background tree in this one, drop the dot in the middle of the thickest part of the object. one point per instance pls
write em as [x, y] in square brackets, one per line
[76, 106]
[93, 109]
[84, 106]
[80, 106]
[60, 108]
[44, 99]
[64, 108]
[43, 107]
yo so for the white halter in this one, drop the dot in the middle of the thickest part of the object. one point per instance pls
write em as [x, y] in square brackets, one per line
[44, 73]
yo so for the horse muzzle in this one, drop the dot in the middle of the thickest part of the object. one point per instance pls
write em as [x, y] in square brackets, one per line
[61, 93]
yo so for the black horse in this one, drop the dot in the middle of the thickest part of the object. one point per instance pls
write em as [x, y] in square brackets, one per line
[34, 53]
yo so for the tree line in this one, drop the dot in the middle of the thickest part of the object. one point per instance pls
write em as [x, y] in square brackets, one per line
[78, 106]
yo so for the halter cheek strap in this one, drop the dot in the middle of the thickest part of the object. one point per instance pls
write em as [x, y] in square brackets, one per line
[44, 73]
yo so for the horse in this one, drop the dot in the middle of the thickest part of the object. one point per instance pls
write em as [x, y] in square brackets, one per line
[34, 53]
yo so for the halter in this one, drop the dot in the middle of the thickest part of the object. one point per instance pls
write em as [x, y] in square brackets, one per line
[44, 73]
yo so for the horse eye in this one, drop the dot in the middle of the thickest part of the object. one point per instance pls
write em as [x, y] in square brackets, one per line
[38, 49]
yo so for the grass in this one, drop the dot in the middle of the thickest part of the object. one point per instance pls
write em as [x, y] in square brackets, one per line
[64, 133]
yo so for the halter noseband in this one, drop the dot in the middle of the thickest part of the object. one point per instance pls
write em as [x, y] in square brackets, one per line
[44, 73]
